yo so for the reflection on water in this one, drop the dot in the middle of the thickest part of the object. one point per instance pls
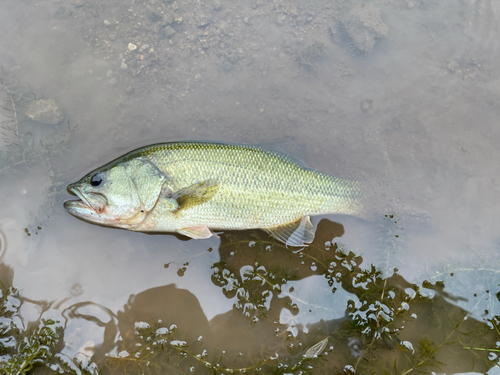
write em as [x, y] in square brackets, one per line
[3, 244]
[383, 323]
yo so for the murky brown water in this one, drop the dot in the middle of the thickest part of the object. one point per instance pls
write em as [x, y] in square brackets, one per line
[404, 95]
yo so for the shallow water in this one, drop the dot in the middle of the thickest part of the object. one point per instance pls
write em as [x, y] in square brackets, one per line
[414, 115]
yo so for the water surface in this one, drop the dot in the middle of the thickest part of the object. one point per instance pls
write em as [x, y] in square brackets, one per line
[401, 94]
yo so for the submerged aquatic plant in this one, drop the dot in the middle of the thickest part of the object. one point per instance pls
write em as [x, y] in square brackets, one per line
[16, 99]
[383, 317]
[23, 349]
[36, 347]
[390, 325]
[22, 148]
[157, 349]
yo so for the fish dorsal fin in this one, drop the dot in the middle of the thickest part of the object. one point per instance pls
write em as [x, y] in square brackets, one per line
[298, 233]
[196, 194]
[198, 232]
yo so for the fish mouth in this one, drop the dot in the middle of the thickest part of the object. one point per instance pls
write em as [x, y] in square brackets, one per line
[84, 207]
[78, 208]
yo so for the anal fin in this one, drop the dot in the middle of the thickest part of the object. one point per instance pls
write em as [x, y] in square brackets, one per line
[298, 233]
[197, 232]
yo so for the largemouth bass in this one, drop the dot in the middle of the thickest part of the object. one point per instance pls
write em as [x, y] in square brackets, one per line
[193, 188]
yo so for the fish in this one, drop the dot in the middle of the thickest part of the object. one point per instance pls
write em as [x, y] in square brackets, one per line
[196, 188]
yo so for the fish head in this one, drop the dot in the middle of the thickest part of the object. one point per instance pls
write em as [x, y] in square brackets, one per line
[118, 195]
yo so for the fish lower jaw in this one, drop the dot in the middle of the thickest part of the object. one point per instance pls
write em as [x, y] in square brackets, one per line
[81, 210]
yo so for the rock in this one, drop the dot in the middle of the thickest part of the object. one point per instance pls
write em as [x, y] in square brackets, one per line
[168, 19]
[366, 105]
[45, 111]
[155, 17]
[201, 20]
[453, 67]
[132, 47]
[312, 54]
[364, 26]
[168, 31]
[79, 3]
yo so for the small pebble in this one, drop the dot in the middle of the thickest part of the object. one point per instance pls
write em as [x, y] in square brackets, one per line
[45, 111]
[132, 47]
[168, 31]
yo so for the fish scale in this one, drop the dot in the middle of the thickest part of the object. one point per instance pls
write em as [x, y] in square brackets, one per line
[254, 182]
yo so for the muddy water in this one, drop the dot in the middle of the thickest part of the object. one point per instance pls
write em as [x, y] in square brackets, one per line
[403, 95]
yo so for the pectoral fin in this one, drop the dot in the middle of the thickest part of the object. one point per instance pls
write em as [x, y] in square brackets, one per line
[197, 232]
[299, 233]
[196, 194]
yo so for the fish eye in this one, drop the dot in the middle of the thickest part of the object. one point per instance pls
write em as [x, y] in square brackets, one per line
[96, 179]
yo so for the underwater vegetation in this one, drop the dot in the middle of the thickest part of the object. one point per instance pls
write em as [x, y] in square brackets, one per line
[388, 325]
[27, 145]
[26, 141]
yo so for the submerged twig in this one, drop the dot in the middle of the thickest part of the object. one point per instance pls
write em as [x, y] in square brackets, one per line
[14, 110]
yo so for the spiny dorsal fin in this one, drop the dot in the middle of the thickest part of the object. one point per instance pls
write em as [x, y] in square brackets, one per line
[298, 233]
[196, 194]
